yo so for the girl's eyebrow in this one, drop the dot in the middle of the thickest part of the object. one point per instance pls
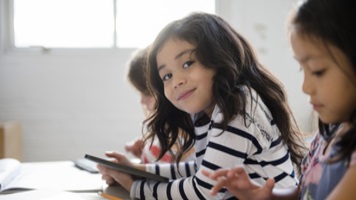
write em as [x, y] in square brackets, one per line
[307, 58]
[303, 59]
[179, 55]
[161, 67]
[182, 53]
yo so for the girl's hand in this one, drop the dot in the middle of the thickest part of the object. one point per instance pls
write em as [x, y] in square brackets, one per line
[135, 147]
[238, 183]
[112, 176]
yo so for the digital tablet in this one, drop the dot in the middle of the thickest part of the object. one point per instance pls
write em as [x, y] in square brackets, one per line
[127, 169]
[86, 165]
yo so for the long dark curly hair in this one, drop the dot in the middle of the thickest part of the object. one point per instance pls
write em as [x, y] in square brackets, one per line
[221, 48]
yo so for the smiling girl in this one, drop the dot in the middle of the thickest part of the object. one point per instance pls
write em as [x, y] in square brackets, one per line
[208, 82]
[145, 148]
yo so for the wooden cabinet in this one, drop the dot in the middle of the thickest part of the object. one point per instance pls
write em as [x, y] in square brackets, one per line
[10, 140]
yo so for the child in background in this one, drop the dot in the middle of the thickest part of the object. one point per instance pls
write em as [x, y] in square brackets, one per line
[207, 81]
[322, 36]
[145, 148]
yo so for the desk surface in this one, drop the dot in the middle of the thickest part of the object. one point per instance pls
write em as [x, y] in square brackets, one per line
[117, 191]
[50, 194]
[58, 179]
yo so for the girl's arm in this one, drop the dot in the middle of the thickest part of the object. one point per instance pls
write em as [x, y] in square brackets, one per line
[170, 170]
[346, 187]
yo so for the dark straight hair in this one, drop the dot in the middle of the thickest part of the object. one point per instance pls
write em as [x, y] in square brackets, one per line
[332, 22]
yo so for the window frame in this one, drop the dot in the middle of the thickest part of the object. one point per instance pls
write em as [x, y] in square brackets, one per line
[7, 44]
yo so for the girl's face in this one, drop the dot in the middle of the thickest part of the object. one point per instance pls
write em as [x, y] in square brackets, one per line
[187, 83]
[330, 83]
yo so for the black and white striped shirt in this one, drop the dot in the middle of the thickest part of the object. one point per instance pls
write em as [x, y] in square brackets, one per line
[257, 147]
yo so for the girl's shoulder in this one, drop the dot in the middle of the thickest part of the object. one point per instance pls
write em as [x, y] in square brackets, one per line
[254, 103]
[254, 106]
[317, 141]
[257, 120]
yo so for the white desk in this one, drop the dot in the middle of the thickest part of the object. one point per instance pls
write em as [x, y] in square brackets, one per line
[60, 179]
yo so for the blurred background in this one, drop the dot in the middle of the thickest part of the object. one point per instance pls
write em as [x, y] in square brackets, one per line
[63, 66]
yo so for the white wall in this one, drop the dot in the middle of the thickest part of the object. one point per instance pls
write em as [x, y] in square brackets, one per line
[74, 103]
[264, 24]
[69, 105]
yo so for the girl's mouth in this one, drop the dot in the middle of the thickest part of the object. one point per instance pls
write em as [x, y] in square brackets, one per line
[185, 95]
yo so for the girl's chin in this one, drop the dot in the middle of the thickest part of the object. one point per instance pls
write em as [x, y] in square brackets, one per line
[327, 120]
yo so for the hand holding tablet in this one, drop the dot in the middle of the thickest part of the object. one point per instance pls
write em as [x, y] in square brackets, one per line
[127, 169]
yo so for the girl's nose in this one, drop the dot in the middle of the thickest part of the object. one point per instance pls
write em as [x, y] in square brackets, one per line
[307, 86]
[178, 81]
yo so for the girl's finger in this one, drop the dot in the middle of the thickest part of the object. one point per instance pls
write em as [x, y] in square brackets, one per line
[220, 172]
[220, 184]
[236, 171]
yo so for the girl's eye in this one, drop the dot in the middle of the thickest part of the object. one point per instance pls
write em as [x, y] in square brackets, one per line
[319, 72]
[166, 77]
[188, 64]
